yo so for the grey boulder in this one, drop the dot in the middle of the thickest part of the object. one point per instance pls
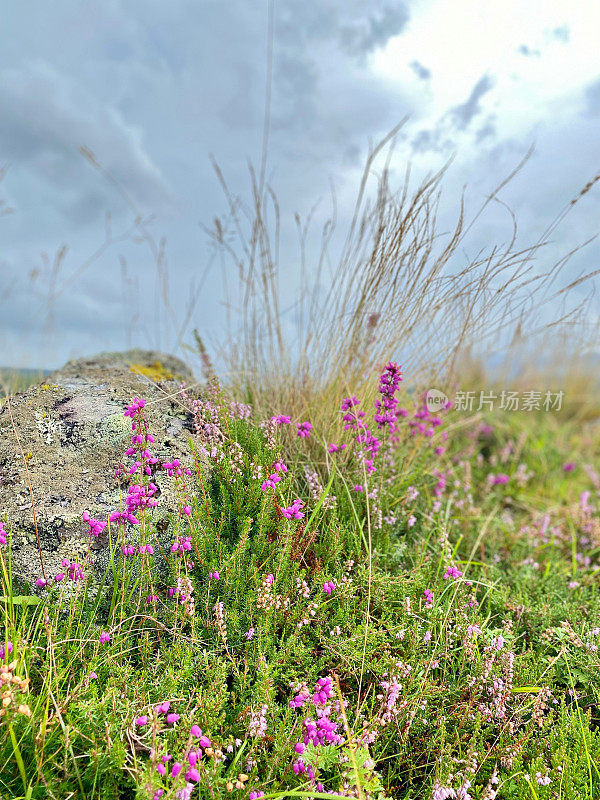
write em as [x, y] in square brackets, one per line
[67, 437]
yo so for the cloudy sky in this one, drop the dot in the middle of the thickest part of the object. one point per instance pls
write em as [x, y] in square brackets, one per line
[152, 89]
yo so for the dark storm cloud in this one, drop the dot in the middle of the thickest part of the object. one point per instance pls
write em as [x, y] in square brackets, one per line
[45, 117]
[152, 89]
[420, 71]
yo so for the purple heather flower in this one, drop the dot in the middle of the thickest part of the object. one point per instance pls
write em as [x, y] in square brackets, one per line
[335, 448]
[104, 637]
[6, 651]
[141, 720]
[304, 429]
[172, 718]
[569, 466]
[293, 511]
[452, 572]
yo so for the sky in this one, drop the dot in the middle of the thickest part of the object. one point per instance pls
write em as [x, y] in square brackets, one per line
[154, 90]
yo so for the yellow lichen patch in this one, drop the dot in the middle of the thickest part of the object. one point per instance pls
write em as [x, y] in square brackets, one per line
[155, 371]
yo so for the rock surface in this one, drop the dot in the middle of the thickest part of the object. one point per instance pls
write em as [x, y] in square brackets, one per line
[72, 435]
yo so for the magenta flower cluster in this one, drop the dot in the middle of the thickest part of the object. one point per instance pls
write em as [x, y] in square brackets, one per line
[389, 382]
[318, 731]
[293, 511]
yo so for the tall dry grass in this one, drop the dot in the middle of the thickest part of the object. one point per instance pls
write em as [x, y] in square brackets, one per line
[400, 289]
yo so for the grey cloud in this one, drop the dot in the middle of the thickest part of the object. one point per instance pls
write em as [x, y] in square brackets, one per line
[463, 114]
[46, 116]
[420, 71]
[440, 138]
[525, 50]
[357, 26]
[366, 35]
[562, 34]
[487, 130]
[592, 98]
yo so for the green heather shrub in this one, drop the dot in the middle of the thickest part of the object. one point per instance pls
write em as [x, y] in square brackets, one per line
[409, 610]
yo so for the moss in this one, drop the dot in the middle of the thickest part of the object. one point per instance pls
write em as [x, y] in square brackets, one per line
[155, 371]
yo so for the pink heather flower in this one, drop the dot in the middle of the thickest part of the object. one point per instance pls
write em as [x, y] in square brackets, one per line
[280, 419]
[104, 637]
[162, 708]
[187, 510]
[427, 637]
[300, 748]
[176, 769]
[161, 769]
[137, 404]
[304, 429]
[93, 676]
[270, 579]
[279, 466]
[141, 720]
[358, 488]
[328, 587]
[192, 775]
[123, 517]
[255, 795]
[6, 651]
[249, 634]
[411, 520]
[58, 578]
[452, 572]
[196, 731]
[569, 466]
[214, 576]
[96, 526]
[172, 718]
[293, 511]
[335, 448]
[41, 582]
[182, 544]
[270, 482]
[204, 742]
[3, 534]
